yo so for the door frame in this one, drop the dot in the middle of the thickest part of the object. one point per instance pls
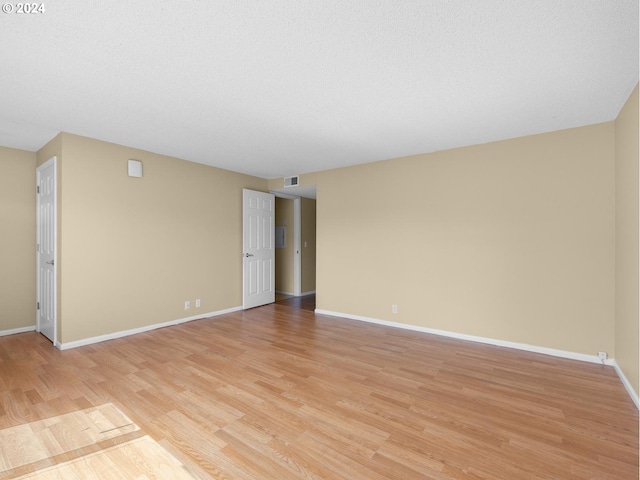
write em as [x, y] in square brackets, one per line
[48, 163]
[297, 240]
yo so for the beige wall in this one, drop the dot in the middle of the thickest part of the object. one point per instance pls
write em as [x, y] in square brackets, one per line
[285, 281]
[511, 240]
[17, 239]
[626, 325]
[134, 249]
[308, 239]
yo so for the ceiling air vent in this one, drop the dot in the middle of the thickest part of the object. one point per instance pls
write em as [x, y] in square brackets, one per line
[291, 181]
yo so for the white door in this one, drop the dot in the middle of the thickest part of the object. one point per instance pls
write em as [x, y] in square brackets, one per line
[258, 252]
[46, 249]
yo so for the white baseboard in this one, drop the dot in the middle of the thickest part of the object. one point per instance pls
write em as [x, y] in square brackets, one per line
[307, 293]
[13, 331]
[472, 338]
[499, 343]
[627, 385]
[126, 333]
[282, 292]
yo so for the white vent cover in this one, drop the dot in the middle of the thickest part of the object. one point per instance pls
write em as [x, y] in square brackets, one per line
[135, 168]
[291, 181]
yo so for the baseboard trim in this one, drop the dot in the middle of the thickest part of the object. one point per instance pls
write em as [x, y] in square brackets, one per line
[472, 338]
[499, 343]
[627, 384]
[282, 292]
[13, 331]
[312, 292]
[126, 333]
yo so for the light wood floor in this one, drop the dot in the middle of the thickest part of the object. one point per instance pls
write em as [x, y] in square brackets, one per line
[85, 444]
[278, 392]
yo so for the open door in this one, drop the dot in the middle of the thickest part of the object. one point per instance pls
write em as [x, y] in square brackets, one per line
[46, 249]
[258, 251]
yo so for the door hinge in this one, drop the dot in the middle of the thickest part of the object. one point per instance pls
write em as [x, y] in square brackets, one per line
[38, 305]
[38, 247]
[38, 189]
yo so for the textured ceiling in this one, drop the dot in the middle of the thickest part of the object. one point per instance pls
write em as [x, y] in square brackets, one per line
[275, 88]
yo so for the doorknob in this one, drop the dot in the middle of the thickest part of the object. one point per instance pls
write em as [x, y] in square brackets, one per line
[49, 263]
[248, 254]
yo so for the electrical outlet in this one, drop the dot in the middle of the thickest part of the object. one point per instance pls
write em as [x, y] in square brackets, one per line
[394, 308]
[187, 305]
[603, 356]
[198, 303]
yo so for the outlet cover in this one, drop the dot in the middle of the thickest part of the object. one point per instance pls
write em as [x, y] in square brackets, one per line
[187, 305]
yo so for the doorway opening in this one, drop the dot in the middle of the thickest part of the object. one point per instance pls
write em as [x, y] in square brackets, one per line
[295, 230]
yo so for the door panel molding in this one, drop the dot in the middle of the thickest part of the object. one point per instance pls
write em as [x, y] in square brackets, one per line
[258, 249]
[46, 251]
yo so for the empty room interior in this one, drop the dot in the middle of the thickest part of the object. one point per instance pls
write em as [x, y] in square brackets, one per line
[319, 240]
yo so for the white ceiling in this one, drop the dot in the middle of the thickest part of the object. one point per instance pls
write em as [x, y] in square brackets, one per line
[275, 88]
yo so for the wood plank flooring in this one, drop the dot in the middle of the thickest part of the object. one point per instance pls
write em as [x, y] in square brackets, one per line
[99, 441]
[33, 442]
[139, 459]
[278, 392]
